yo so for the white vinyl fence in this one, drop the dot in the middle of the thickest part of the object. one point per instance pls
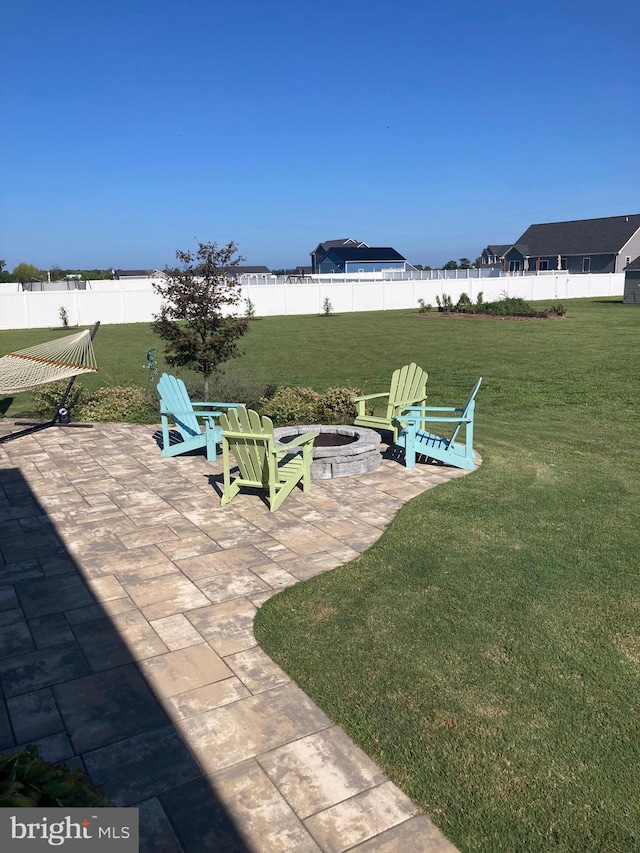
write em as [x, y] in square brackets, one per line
[135, 301]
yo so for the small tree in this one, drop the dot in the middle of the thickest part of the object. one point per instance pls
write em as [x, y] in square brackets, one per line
[25, 272]
[195, 320]
[465, 264]
[450, 265]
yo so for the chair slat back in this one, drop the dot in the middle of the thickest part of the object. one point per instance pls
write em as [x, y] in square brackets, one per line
[250, 453]
[407, 383]
[175, 398]
[469, 408]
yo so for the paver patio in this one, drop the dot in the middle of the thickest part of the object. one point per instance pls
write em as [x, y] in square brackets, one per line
[127, 598]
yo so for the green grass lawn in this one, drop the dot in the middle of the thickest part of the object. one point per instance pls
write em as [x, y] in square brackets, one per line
[486, 650]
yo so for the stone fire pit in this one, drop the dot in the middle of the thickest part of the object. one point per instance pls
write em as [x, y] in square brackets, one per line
[339, 451]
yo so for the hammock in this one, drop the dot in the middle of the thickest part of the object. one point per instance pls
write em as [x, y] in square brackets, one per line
[48, 362]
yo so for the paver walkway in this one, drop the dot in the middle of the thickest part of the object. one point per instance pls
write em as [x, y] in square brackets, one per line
[127, 598]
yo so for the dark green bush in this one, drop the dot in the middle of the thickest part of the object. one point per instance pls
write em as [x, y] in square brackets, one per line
[26, 781]
[124, 404]
[291, 405]
[46, 398]
[233, 386]
[336, 405]
[510, 305]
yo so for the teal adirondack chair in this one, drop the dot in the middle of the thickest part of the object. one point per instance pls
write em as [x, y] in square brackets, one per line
[176, 406]
[408, 388]
[261, 461]
[415, 439]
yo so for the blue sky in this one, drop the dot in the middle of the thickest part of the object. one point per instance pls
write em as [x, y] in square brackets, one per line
[132, 129]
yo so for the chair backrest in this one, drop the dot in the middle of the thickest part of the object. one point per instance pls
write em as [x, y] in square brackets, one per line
[407, 383]
[250, 453]
[469, 407]
[174, 398]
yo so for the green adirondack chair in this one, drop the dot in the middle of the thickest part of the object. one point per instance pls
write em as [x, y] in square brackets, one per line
[261, 461]
[417, 440]
[408, 388]
[176, 406]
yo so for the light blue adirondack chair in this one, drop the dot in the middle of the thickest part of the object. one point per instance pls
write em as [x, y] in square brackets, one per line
[417, 440]
[176, 406]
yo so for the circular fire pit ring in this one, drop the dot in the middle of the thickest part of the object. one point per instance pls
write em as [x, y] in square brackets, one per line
[339, 451]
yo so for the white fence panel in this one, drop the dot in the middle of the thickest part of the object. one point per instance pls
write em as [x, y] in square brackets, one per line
[339, 295]
[368, 297]
[136, 301]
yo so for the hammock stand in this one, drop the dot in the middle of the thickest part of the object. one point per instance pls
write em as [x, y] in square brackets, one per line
[61, 416]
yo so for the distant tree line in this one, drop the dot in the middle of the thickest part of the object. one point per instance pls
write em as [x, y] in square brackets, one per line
[461, 264]
[27, 272]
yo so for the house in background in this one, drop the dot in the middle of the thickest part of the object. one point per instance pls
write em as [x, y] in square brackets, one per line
[492, 255]
[236, 271]
[351, 256]
[121, 275]
[578, 246]
[322, 249]
[631, 294]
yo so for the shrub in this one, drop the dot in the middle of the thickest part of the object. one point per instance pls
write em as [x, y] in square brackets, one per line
[45, 399]
[464, 303]
[27, 781]
[232, 386]
[249, 309]
[424, 307]
[291, 405]
[558, 309]
[327, 307]
[336, 405]
[116, 403]
[64, 317]
[510, 305]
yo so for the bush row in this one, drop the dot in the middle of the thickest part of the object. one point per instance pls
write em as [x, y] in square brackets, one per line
[506, 306]
[286, 405]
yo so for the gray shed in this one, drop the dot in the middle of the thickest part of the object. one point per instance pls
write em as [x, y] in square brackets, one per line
[632, 283]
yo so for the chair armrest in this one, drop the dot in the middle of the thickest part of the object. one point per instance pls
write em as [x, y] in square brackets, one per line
[370, 396]
[170, 412]
[220, 405]
[432, 419]
[405, 403]
[432, 409]
[299, 440]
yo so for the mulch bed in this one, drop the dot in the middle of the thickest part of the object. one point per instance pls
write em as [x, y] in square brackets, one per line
[460, 316]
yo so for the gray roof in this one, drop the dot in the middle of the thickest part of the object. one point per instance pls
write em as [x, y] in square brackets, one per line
[239, 270]
[133, 273]
[370, 253]
[344, 241]
[499, 250]
[580, 236]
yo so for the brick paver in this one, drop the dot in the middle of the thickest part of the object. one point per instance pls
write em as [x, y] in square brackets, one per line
[127, 599]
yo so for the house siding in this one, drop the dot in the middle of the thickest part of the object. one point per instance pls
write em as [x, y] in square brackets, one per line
[631, 249]
[631, 294]
[356, 266]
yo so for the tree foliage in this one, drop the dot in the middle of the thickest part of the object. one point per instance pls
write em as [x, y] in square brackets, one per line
[450, 265]
[196, 319]
[25, 272]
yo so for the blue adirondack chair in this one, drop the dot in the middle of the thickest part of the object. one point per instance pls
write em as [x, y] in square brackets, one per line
[176, 406]
[417, 440]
